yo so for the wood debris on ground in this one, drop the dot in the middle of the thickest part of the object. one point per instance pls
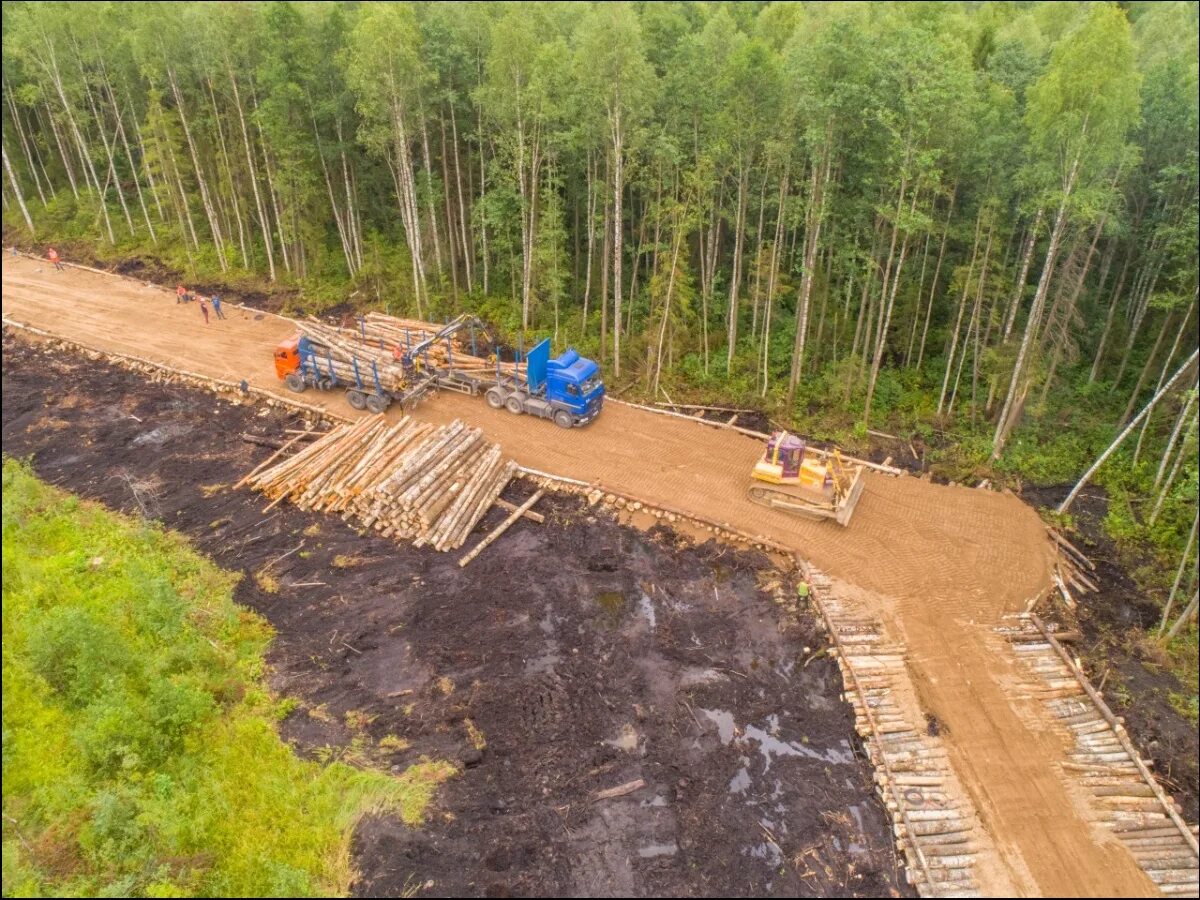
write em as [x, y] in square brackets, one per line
[409, 480]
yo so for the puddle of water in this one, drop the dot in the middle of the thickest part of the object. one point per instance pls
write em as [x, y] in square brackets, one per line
[770, 747]
[768, 852]
[740, 782]
[724, 723]
[646, 608]
[652, 850]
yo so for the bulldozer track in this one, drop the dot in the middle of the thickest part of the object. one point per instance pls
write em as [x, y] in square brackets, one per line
[775, 499]
[1122, 790]
[936, 827]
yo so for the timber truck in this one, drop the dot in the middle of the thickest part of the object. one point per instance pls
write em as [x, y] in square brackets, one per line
[568, 390]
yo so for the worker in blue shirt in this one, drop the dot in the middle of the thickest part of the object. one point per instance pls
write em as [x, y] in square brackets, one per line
[216, 302]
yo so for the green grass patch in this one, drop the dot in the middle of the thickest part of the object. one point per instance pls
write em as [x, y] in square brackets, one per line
[140, 750]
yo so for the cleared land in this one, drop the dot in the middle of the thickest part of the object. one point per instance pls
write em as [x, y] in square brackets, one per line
[938, 565]
[574, 657]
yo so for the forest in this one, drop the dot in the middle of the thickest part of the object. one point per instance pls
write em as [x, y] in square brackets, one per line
[972, 225]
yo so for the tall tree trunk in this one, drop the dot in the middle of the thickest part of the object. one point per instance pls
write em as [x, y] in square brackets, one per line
[1113, 303]
[812, 238]
[936, 272]
[342, 223]
[735, 278]
[1026, 257]
[889, 302]
[1170, 482]
[758, 260]
[916, 313]
[81, 144]
[973, 323]
[618, 141]
[1185, 415]
[1137, 388]
[228, 172]
[112, 99]
[20, 129]
[606, 259]
[591, 237]
[451, 240]
[1183, 329]
[62, 152]
[483, 236]
[462, 209]
[251, 168]
[205, 199]
[952, 349]
[1120, 438]
[108, 153]
[773, 280]
[16, 186]
[429, 204]
[1183, 565]
[1003, 427]
[666, 314]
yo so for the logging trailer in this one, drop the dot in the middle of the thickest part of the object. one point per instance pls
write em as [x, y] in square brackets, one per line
[567, 390]
[814, 484]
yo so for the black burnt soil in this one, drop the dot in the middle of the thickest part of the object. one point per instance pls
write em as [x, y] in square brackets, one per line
[569, 658]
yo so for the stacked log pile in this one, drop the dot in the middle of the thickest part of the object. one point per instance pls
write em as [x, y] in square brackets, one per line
[410, 480]
[378, 339]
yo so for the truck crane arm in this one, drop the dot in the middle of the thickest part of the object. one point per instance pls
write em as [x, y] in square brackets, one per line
[466, 320]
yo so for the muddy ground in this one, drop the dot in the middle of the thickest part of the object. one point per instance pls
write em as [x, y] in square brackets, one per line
[569, 658]
[1117, 652]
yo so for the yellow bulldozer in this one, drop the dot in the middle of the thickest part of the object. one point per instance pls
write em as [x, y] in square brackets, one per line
[803, 481]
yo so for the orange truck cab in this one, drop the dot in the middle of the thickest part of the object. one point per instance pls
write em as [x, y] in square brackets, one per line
[287, 357]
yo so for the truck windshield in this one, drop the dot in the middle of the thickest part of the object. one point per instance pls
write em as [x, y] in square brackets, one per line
[591, 384]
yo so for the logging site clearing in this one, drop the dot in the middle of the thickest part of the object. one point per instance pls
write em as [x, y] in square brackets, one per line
[635, 710]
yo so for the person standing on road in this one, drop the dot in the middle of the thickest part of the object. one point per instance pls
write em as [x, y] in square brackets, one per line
[52, 255]
[216, 302]
[181, 294]
[203, 308]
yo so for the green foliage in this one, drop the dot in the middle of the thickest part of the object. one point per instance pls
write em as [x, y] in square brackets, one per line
[140, 756]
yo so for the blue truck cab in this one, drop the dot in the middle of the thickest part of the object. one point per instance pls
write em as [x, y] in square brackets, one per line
[567, 389]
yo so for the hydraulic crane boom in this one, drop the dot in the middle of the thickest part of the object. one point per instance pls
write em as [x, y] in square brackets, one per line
[408, 356]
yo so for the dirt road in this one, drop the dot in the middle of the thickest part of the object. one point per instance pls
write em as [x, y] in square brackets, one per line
[940, 565]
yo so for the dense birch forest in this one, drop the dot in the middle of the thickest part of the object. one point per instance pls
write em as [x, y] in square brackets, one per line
[973, 223]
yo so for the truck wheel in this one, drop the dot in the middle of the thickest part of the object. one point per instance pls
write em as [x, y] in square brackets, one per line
[357, 399]
[325, 383]
[295, 382]
[377, 404]
[495, 398]
[514, 405]
[563, 419]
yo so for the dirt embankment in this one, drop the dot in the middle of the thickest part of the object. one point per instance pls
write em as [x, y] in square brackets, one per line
[567, 659]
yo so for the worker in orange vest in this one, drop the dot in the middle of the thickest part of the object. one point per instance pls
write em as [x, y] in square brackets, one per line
[181, 294]
[52, 255]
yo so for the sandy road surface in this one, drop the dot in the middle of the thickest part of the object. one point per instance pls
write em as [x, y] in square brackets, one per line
[940, 565]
